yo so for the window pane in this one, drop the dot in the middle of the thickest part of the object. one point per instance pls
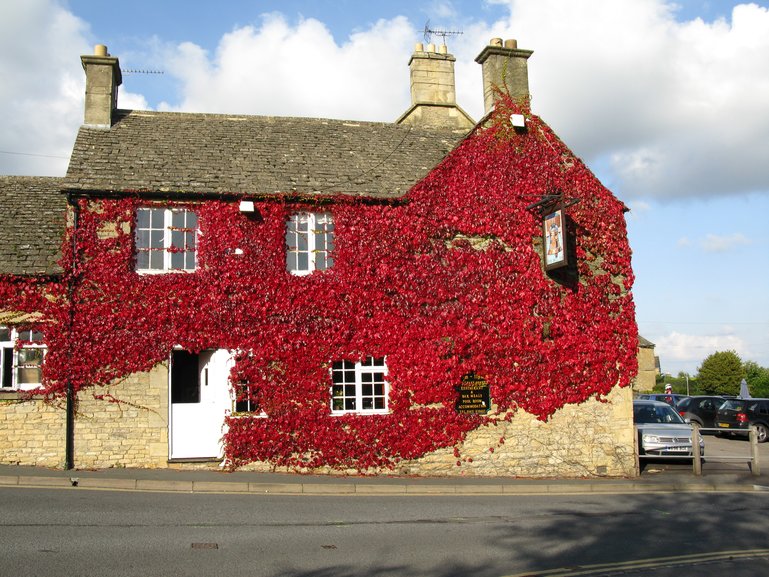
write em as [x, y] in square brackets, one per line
[142, 218]
[156, 260]
[6, 361]
[177, 260]
[143, 260]
[28, 357]
[190, 260]
[156, 239]
[177, 239]
[302, 243]
[177, 218]
[303, 261]
[142, 239]
[28, 375]
[157, 218]
[5, 334]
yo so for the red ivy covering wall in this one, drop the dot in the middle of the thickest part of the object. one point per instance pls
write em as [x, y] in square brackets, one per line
[446, 281]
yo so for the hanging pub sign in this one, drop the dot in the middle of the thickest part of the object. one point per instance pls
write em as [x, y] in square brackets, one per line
[474, 395]
[553, 234]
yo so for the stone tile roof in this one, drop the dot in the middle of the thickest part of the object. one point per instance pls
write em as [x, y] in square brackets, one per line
[254, 155]
[32, 216]
[642, 342]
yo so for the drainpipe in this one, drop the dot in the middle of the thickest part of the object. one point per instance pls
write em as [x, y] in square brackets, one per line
[69, 455]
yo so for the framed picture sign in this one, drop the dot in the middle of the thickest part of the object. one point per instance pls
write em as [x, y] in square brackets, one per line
[554, 237]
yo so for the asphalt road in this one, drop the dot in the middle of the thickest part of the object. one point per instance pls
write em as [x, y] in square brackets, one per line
[108, 533]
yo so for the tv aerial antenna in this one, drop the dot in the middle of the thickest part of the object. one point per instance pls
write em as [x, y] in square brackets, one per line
[442, 33]
[134, 71]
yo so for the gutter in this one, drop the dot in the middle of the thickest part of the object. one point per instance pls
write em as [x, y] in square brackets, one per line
[69, 454]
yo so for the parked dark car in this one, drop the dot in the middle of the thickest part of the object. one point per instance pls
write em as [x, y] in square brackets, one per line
[662, 431]
[670, 398]
[700, 411]
[741, 414]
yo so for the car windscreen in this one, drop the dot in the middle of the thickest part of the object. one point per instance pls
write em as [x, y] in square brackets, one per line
[646, 414]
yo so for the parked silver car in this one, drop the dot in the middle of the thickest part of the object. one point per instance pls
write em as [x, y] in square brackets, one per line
[662, 431]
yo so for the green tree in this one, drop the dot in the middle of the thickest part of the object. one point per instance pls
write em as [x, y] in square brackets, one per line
[757, 378]
[721, 373]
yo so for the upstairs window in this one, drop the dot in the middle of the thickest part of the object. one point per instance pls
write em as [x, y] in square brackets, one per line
[359, 387]
[21, 359]
[309, 242]
[166, 240]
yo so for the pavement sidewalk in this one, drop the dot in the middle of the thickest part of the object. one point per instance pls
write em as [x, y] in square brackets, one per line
[210, 481]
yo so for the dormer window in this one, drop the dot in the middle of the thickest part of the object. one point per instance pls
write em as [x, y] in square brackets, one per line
[309, 242]
[166, 240]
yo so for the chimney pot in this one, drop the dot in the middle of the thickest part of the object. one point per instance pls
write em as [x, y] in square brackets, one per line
[431, 47]
[419, 47]
[100, 50]
[443, 49]
[495, 42]
[512, 43]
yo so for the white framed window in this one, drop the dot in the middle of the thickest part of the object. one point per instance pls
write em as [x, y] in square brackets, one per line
[245, 401]
[359, 387]
[21, 359]
[166, 239]
[309, 242]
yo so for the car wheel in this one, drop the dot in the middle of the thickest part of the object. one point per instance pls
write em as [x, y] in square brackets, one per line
[762, 433]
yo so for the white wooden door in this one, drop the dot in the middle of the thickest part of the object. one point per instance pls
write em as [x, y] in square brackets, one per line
[200, 398]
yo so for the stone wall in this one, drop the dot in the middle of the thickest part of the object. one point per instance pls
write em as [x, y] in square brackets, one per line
[126, 425]
[593, 439]
[31, 432]
[122, 425]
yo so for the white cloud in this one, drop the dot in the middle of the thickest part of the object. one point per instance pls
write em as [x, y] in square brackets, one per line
[670, 109]
[679, 108]
[684, 242]
[279, 69]
[688, 350]
[41, 94]
[716, 243]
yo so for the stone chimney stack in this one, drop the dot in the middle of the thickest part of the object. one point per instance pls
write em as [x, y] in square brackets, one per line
[433, 92]
[504, 68]
[102, 77]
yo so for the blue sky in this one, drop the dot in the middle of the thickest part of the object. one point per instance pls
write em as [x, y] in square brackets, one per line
[667, 102]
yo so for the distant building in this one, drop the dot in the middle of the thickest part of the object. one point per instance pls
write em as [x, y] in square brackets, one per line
[648, 366]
